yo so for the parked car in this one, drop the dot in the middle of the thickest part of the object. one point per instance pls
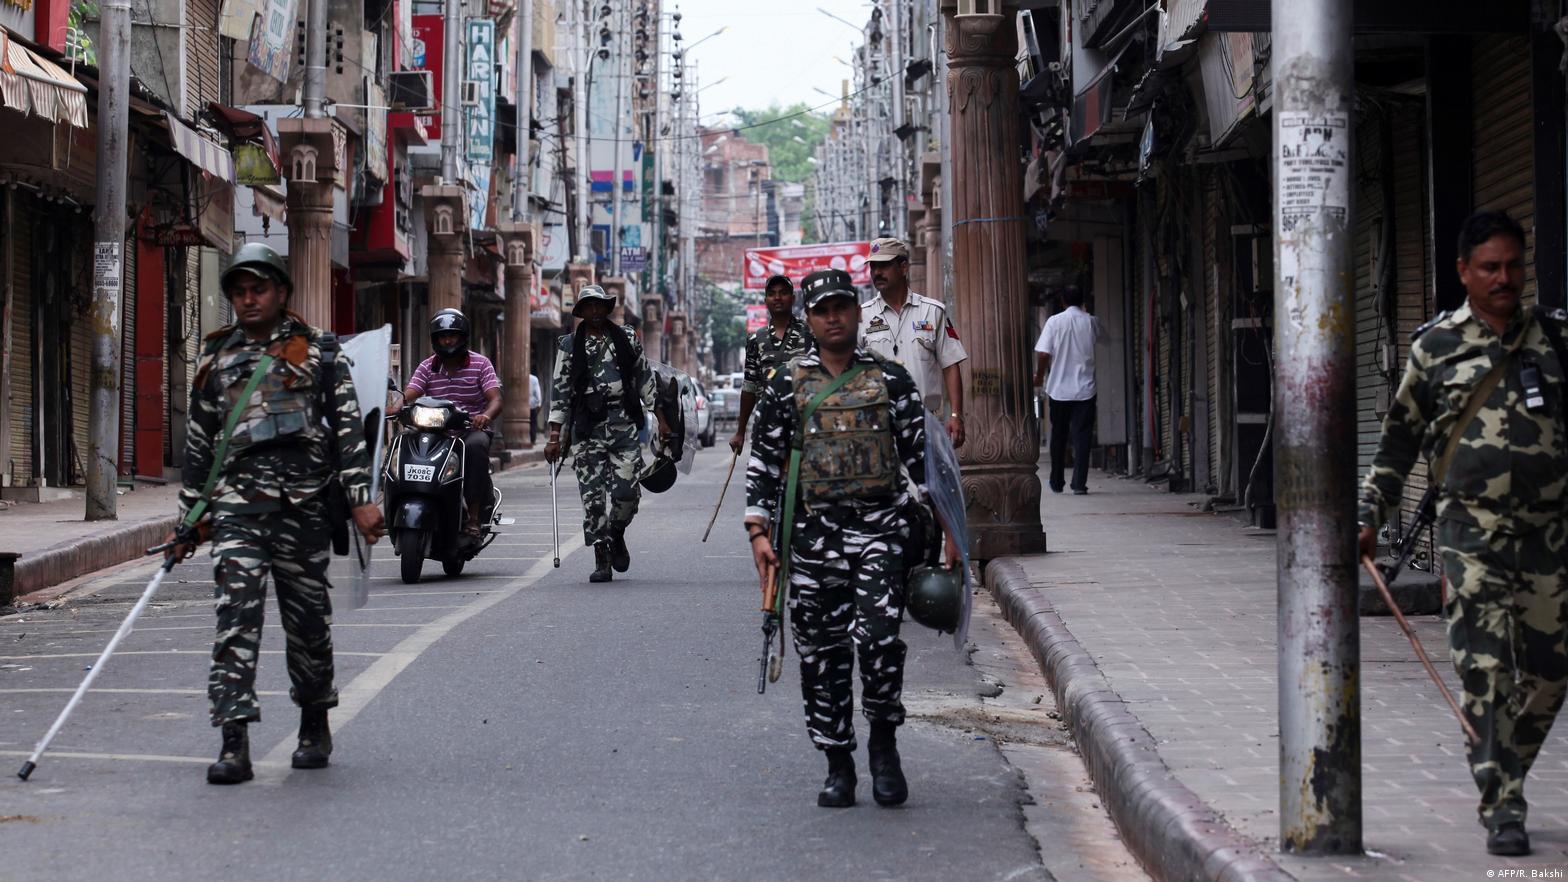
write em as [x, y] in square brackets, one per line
[707, 431]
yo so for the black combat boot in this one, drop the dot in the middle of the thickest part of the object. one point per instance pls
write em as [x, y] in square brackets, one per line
[233, 765]
[315, 739]
[838, 791]
[620, 555]
[888, 786]
[1508, 839]
[601, 563]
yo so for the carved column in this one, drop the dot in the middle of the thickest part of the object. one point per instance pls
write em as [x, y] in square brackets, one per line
[517, 334]
[1000, 460]
[446, 219]
[615, 286]
[315, 150]
[917, 250]
[931, 225]
[577, 275]
[680, 346]
[653, 328]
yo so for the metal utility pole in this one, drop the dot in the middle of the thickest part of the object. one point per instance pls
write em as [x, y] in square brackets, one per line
[580, 126]
[451, 90]
[622, 74]
[103, 419]
[316, 60]
[525, 109]
[1314, 447]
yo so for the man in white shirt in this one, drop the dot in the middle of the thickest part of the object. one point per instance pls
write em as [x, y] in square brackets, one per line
[535, 398]
[1066, 350]
[914, 331]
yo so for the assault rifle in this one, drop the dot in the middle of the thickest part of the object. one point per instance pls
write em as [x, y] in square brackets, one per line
[1405, 546]
[774, 587]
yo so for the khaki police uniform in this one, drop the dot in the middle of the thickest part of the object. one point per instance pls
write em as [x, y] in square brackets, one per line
[920, 337]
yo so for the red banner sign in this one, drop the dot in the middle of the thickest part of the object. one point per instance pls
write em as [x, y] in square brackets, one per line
[756, 317]
[799, 261]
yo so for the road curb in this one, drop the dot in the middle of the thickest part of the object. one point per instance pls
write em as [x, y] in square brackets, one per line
[38, 570]
[1171, 831]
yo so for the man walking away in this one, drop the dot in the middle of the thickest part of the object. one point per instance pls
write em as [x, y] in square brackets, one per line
[1065, 350]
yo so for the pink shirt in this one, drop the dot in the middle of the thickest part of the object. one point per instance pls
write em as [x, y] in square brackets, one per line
[465, 387]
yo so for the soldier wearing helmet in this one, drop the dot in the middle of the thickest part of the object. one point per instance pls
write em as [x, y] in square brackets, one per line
[468, 380]
[837, 430]
[602, 391]
[260, 458]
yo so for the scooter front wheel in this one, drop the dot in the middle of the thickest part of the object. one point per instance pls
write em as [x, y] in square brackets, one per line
[412, 546]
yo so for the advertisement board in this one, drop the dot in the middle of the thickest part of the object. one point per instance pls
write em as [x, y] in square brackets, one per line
[799, 261]
[756, 317]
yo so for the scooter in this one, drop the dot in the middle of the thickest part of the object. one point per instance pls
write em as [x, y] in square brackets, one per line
[425, 507]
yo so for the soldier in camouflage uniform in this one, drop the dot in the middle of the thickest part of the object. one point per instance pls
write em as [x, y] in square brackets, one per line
[602, 390]
[268, 503]
[848, 530]
[783, 338]
[1500, 509]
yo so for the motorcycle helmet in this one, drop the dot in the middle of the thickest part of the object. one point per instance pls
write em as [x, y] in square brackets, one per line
[935, 597]
[448, 321]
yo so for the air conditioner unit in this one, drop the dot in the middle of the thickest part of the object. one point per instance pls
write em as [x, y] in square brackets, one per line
[470, 93]
[410, 90]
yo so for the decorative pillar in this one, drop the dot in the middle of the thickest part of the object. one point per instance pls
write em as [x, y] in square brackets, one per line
[917, 250]
[1001, 457]
[577, 275]
[931, 225]
[316, 149]
[615, 286]
[446, 219]
[653, 328]
[519, 239]
[680, 358]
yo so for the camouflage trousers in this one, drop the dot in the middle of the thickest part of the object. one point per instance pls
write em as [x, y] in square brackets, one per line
[607, 464]
[292, 545]
[1506, 631]
[847, 600]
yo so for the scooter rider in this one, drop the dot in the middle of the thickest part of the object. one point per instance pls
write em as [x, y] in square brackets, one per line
[468, 380]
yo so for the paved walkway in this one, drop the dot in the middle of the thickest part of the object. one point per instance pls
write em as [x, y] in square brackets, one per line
[1177, 608]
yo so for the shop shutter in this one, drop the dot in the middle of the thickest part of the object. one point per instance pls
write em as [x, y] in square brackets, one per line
[205, 82]
[1216, 332]
[78, 286]
[1415, 293]
[19, 259]
[1372, 331]
[128, 358]
[1504, 170]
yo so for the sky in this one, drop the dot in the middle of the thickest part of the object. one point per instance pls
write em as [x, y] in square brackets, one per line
[775, 51]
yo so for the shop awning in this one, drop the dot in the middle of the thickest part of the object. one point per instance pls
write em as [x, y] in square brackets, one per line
[30, 83]
[209, 156]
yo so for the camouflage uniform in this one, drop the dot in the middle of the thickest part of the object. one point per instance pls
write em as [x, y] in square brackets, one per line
[1501, 532]
[764, 352]
[608, 461]
[268, 509]
[846, 558]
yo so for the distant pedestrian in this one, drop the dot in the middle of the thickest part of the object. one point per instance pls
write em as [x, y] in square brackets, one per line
[772, 346]
[916, 332]
[535, 400]
[1483, 400]
[1065, 351]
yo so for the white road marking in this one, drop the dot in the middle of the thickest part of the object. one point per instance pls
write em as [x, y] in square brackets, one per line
[199, 693]
[141, 757]
[364, 688]
[206, 652]
[429, 594]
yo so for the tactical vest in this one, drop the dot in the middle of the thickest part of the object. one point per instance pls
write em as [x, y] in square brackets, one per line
[847, 449]
[283, 409]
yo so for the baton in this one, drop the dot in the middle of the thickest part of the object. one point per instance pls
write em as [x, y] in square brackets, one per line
[92, 673]
[723, 490]
[1388, 598]
[555, 516]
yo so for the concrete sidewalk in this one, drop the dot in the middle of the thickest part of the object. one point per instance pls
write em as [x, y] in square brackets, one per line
[53, 544]
[1155, 623]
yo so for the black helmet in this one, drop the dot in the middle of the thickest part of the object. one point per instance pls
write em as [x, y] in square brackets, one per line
[445, 322]
[935, 597]
[659, 476]
[258, 260]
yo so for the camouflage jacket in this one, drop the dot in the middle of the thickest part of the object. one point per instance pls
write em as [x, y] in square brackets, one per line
[605, 376]
[776, 418]
[279, 450]
[1510, 471]
[764, 352]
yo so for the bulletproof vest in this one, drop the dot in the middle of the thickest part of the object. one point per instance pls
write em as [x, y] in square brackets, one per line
[284, 408]
[847, 449]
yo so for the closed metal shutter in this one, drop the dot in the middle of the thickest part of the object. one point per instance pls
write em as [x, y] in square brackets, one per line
[19, 259]
[1374, 331]
[1504, 139]
[205, 82]
[1414, 298]
[127, 465]
[1216, 333]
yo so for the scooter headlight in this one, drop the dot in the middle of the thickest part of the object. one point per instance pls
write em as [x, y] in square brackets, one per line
[429, 417]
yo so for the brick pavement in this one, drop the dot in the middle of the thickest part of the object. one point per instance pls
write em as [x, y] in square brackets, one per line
[1177, 608]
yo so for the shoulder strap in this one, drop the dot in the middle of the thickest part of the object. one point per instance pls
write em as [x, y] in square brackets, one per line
[222, 450]
[330, 349]
[1478, 398]
[786, 514]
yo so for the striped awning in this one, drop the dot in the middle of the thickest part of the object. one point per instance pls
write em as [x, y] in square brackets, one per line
[30, 83]
[209, 156]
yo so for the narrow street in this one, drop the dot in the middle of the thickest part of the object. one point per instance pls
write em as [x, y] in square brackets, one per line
[519, 723]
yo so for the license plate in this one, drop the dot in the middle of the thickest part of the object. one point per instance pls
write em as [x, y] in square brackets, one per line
[419, 472]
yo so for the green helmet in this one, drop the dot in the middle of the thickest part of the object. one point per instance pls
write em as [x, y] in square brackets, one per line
[935, 597]
[257, 259]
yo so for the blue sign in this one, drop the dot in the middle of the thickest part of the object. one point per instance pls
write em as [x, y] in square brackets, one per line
[479, 116]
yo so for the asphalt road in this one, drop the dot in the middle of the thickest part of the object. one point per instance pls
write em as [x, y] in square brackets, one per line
[512, 723]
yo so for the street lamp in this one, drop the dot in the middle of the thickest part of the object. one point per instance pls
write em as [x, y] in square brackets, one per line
[703, 40]
[846, 21]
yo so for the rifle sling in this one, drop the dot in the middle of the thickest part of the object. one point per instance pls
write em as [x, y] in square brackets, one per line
[1478, 399]
[222, 451]
[792, 482]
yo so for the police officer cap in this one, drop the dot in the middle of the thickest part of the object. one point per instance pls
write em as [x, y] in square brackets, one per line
[823, 284]
[588, 294]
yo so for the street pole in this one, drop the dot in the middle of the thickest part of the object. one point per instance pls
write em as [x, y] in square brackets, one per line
[451, 90]
[315, 92]
[622, 56]
[103, 417]
[1315, 442]
[895, 145]
[580, 125]
[525, 109]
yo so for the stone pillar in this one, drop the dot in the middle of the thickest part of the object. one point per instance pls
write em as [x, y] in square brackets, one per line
[315, 150]
[517, 333]
[1000, 459]
[917, 250]
[931, 226]
[446, 219]
[577, 275]
[653, 328]
[680, 348]
[615, 286]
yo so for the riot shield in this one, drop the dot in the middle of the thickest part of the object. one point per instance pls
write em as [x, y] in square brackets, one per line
[947, 501]
[369, 359]
[677, 399]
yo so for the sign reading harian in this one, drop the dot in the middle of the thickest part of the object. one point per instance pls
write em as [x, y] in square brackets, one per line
[479, 116]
